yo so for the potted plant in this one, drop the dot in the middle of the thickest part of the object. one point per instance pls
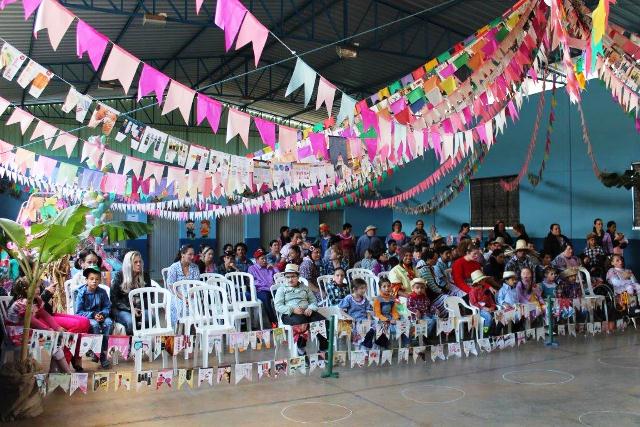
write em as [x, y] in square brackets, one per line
[48, 242]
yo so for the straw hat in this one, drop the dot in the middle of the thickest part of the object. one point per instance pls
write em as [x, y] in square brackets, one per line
[370, 227]
[418, 280]
[508, 274]
[477, 276]
[521, 245]
[436, 237]
[498, 240]
[571, 271]
[292, 268]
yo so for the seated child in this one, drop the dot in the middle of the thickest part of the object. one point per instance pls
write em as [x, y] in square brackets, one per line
[569, 286]
[40, 319]
[357, 306]
[337, 288]
[385, 310]
[482, 297]
[418, 302]
[507, 296]
[93, 303]
[549, 283]
[620, 278]
[368, 261]
[298, 307]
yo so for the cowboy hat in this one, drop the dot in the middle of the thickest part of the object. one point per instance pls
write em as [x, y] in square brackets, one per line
[292, 268]
[499, 239]
[370, 227]
[477, 276]
[436, 237]
[418, 280]
[521, 245]
[571, 271]
[508, 274]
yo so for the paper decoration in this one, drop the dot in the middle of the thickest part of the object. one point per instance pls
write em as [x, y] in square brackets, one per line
[403, 355]
[134, 165]
[152, 80]
[198, 158]
[540, 333]
[58, 380]
[297, 365]
[281, 367]
[152, 169]
[151, 138]
[303, 75]
[118, 344]
[177, 151]
[454, 350]
[78, 101]
[264, 369]
[210, 109]
[347, 106]
[144, 379]
[520, 337]
[317, 328]
[510, 340]
[22, 117]
[470, 347]
[36, 74]
[205, 375]
[180, 97]
[11, 59]
[267, 130]
[386, 357]
[78, 381]
[55, 18]
[339, 358]
[121, 66]
[252, 31]
[105, 116]
[101, 381]
[164, 377]
[67, 141]
[91, 41]
[185, 376]
[373, 357]
[223, 374]
[111, 158]
[485, 345]
[238, 124]
[325, 95]
[229, 16]
[122, 381]
[358, 359]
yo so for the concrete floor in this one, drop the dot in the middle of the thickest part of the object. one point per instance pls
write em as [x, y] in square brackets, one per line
[597, 382]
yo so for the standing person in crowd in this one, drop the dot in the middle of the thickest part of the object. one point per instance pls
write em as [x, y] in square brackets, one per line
[549, 284]
[296, 240]
[273, 257]
[419, 230]
[182, 269]
[463, 267]
[566, 259]
[337, 288]
[228, 263]
[521, 257]
[594, 256]
[463, 233]
[242, 262]
[614, 242]
[397, 234]
[555, 241]
[304, 234]
[598, 230]
[311, 267]
[348, 243]
[284, 235]
[520, 233]
[495, 266]
[500, 230]
[207, 262]
[263, 274]
[392, 249]
[330, 265]
[322, 242]
[481, 296]
[132, 276]
[86, 258]
[381, 263]
[622, 279]
[298, 307]
[370, 241]
[402, 274]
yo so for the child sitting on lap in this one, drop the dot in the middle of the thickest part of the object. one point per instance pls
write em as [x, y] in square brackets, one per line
[93, 303]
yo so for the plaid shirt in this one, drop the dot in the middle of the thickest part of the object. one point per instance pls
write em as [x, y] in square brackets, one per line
[336, 293]
[595, 254]
[328, 268]
[516, 265]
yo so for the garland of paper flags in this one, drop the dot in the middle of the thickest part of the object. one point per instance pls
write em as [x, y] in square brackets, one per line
[534, 180]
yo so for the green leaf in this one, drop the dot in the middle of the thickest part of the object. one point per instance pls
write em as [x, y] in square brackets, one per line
[120, 230]
[12, 232]
[74, 216]
[54, 242]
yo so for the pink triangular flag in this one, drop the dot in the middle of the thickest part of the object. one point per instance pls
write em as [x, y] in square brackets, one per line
[253, 31]
[44, 130]
[267, 131]
[372, 147]
[238, 124]
[319, 144]
[174, 174]
[121, 66]
[91, 41]
[132, 164]
[152, 80]
[112, 158]
[29, 7]
[199, 5]
[210, 109]
[67, 141]
[55, 18]
[22, 117]
[229, 16]
[45, 166]
[326, 93]
[4, 104]
[287, 138]
[180, 97]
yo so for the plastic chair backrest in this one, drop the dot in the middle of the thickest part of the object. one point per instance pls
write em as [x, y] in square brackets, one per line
[5, 302]
[107, 289]
[206, 276]
[452, 304]
[165, 277]
[155, 308]
[69, 294]
[322, 285]
[383, 274]
[279, 278]
[155, 284]
[209, 306]
[241, 285]
[180, 290]
[367, 276]
[586, 281]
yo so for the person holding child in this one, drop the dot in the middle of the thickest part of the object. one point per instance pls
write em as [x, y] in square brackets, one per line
[298, 307]
[419, 304]
[93, 303]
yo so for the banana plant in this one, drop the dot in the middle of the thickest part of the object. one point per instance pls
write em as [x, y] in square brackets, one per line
[53, 239]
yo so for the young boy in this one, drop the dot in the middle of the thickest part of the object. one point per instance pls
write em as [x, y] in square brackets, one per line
[93, 303]
[419, 303]
[549, 283]
[482, 297]
[508, 295]
[385, 310]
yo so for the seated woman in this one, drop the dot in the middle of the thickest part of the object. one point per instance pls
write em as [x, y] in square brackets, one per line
[594, 257]
[622, 279]
[566, 259]
[462, 267]
[528, 291]
[298, 307]
[40, 319]
[337, 288]
[207, 263]
[334, 262]
[182, 269]
[132, 276]
[481, 296]
[263, 274]
[402, 274]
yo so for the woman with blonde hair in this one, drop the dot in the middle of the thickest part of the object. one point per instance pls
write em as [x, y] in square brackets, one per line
[132, 276]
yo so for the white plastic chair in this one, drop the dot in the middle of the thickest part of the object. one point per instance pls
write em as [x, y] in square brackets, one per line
[155, 307]
[206, 276]
[279, 278]
[368, 276]
[180, 291]
[165, 277]
[235, 311]
[383, 274]
[211, 316]
[155, 284]
[587, 290]
[452, 304]
[6, 344]
[244, 289]
[287, 328]
[69, 295]
[322, 285]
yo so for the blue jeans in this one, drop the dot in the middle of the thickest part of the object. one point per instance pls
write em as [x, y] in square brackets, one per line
[103, 328]
[124, 318]
[487, 317]
[432, 322]
[267, 303]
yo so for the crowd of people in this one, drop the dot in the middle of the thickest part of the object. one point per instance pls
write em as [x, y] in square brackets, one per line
[417, 272]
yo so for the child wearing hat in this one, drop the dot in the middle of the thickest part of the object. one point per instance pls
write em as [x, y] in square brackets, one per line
[419, 304]
[482, 297]
[507, 296]
[569, 286]
[93, 303]
[298, 307]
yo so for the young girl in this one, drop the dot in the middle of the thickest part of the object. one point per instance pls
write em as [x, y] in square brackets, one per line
[368, 261]
[419, 303]
[385, 310]
[549, 284]
[337, 288]
[357, 306]
[86, 258]
[40, 318]
[620, 278]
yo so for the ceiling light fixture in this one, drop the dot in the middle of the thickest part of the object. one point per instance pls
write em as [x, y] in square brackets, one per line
[347, 51]
[154, 19]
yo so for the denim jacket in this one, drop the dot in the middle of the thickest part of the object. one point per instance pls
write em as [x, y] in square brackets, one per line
[89, 303]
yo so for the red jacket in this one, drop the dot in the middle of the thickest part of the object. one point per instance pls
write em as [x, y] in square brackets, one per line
[482, 293]
[461, 271]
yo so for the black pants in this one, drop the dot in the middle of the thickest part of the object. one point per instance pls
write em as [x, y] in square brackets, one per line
[301, 319]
